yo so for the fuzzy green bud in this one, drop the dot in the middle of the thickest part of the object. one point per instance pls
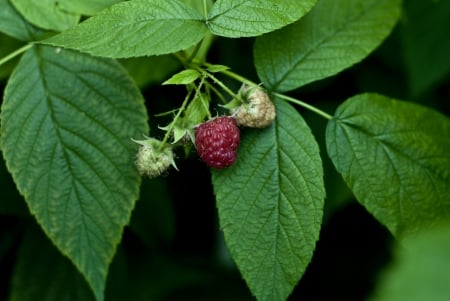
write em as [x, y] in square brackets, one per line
[153, 158]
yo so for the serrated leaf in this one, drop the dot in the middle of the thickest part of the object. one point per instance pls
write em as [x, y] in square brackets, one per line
[42, 273]
[14, 25]
[46, 14]
[86, 7]
[243, 18]
[183, 77]
[335, 35]
[66, 122]
[136, 28]
[395, 158]
[270, 204]
[420, 270]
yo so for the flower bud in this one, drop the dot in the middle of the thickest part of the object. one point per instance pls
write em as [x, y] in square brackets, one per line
[153, 158]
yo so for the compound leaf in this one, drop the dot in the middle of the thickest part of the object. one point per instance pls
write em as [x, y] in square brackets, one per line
[270, 204]
[66, 121]
[333, 36]
[136, 28]
[243, 18]
[395, 157]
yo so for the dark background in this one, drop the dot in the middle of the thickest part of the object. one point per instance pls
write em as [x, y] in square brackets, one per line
[173, 249]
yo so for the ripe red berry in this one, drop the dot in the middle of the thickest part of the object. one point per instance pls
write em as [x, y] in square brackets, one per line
[217, 141]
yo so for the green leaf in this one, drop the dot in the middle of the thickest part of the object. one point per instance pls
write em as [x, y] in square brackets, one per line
[217, 68]
[136, 28]
[183, 77]
[395, 157]
[46, 14]
[86, 7]
[66, 122]
[335, 35]
[421, 269]
[14, 25]
[270, 204]
[425, 31]
[244, 18]
[42, 273]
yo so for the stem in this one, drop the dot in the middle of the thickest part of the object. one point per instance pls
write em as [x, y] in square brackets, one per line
[288, 98]
[305, 105]
[15, 53]
[222, 85]
[172, 124]
[217, 92]
[205, 9]
[239, 78]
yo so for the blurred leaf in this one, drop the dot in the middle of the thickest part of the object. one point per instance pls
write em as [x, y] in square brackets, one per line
[394, 156]
[86, 7]
[421, 270]
[150, 70]
[136, 28]
[335, 35]
[271, 203]
[153, 218]
[7, 46]
[426, 42]
[14, 25]
[11, 202]
[42, 273]
[243, 18]
[46, 14]
[66, 121]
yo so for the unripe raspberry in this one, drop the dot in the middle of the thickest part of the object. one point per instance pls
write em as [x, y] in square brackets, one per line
[153, 158]
[217, 141]
[258, 110]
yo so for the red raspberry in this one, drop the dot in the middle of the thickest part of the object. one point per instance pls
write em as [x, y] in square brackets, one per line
[217, 141]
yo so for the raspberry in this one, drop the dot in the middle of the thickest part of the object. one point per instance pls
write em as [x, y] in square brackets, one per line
[258, 111]
[153, 158]
[217, 141]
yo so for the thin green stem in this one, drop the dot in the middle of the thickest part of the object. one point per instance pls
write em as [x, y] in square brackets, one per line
[239, 78]
[222, 85]
[242, 79]
[15, 53]
[304, 104]
[205, 9]
[175, 119]
[217, 92]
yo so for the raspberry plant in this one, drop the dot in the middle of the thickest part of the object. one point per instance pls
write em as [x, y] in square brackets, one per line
[81, 93]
